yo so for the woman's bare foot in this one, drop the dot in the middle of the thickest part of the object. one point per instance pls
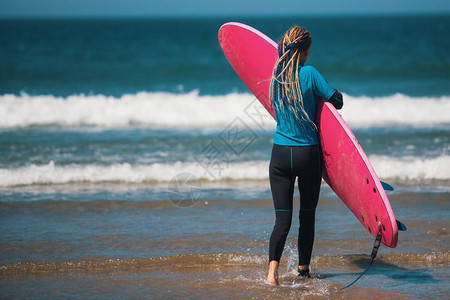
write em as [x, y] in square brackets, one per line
[272, 277]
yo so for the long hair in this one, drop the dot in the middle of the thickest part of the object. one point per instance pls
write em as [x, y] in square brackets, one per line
[286, 93]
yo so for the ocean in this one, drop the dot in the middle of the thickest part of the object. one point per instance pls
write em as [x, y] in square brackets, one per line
[133, 164]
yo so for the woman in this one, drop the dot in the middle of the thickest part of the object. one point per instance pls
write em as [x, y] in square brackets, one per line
[296, 152]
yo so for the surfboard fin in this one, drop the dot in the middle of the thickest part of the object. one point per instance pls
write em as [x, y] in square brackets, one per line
[401, 226]
[386, 186]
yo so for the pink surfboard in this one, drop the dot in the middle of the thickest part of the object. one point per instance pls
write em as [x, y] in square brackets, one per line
[347, 169]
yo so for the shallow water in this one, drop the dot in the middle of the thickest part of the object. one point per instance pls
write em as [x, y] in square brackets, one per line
[116, 241]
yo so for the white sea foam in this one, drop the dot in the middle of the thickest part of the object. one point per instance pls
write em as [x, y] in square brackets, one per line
[155, 110]
[396, 110]
[406, 169]
[412, 168]
[194, 111]
[54, 174]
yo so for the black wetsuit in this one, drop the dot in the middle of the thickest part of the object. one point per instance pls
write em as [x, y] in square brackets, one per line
[286, 164]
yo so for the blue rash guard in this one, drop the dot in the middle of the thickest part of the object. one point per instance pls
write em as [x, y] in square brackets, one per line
[289, 132]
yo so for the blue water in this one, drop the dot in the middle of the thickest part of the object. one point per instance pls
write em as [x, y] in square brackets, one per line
[100, 118]
[373, 56]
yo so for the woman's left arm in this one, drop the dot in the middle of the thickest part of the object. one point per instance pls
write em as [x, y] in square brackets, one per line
[337, 100]
[323, 89]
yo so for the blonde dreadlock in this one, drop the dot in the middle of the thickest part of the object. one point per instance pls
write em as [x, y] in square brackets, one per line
[292, 49]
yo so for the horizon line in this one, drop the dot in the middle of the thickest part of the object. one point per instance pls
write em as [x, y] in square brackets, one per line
[219, 16]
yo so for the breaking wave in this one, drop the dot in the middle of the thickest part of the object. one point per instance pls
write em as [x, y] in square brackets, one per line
[407, 168]
[194, 111]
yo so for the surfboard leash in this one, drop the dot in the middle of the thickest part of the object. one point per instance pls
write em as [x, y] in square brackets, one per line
[376, 246]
